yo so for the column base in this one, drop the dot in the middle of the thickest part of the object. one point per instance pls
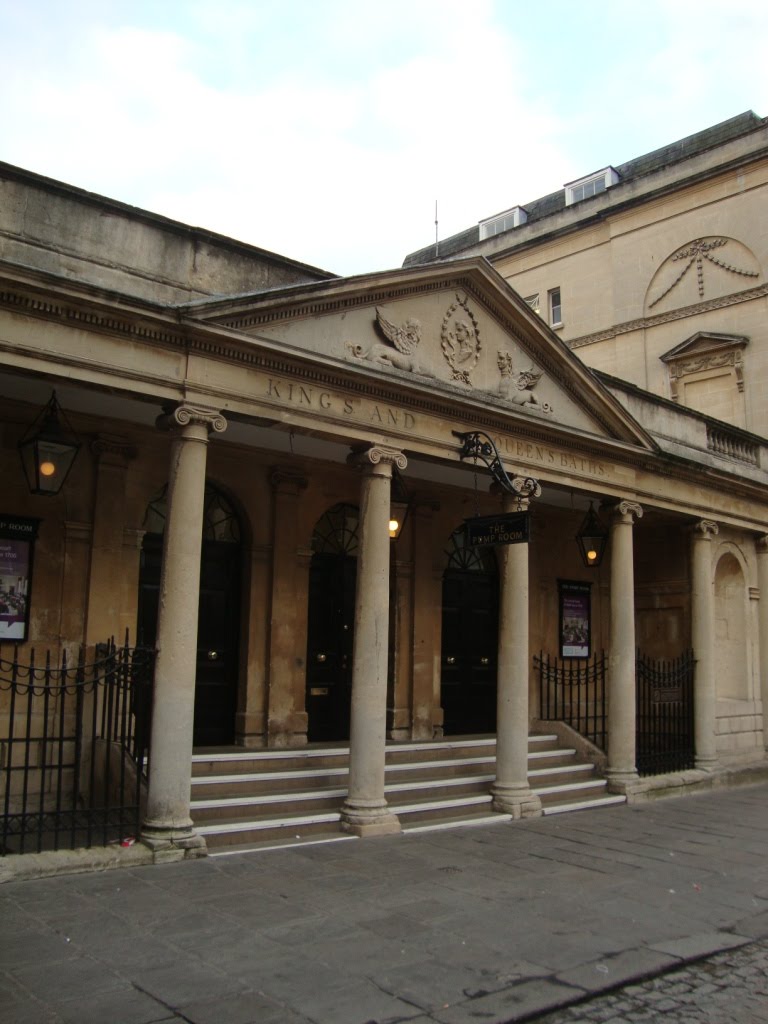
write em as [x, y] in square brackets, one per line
[369, 819]
[706, 764]
[619, 779]
[172, 842]
[519, 801]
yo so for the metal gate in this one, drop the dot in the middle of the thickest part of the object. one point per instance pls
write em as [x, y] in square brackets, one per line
[73, 745]
[665, 736]
[572, 690]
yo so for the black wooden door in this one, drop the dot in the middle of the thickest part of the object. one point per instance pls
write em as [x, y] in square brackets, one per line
[330, 629]
[469, 652]
[217, 633]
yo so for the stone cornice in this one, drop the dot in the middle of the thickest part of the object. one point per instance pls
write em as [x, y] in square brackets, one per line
[644, 322]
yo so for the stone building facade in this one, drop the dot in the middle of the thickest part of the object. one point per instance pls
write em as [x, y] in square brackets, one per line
[247, 423]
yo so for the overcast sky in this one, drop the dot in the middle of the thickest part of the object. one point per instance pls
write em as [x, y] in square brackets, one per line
[325, 130]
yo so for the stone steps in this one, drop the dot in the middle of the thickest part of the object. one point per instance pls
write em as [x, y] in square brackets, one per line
[248, 800]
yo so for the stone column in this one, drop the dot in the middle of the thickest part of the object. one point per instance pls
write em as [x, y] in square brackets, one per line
[762, 626]
[287, 673]
[511, 791]
[167, 823]
[621, 658]
[703, 640]
[365, 811]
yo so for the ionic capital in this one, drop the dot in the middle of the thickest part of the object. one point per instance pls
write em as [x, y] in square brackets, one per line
[626, 512]
[378, 455]
[705, 529]
[184, 415]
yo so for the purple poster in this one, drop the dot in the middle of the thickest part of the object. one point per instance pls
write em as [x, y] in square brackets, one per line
[574, 619]
[16, 542]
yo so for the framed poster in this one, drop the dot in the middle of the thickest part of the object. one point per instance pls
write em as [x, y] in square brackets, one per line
[17, 542]
[575, 618]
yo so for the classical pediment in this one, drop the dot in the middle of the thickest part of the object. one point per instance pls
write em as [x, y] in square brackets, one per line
[705, 344]
[457, 329]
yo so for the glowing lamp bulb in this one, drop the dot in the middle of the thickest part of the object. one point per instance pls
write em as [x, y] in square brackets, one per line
[393, 526]
[47, 468]
[592, 555]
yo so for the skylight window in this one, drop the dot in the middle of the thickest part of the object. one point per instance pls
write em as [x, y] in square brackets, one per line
[592, 185]
[502, 222]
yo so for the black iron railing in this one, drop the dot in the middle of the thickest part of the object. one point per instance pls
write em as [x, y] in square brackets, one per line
[73, 746]
[665, 731]
[572, 690]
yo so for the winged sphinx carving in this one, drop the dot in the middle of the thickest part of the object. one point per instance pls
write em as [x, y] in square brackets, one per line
[518, 387]
[399, 348]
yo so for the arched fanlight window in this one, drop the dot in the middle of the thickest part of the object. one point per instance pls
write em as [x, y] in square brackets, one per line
[466, 558]
[220, 522]
[336, 532]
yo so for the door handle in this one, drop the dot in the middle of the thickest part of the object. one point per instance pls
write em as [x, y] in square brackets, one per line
[450, 660]
[213, 655]
[320, 657]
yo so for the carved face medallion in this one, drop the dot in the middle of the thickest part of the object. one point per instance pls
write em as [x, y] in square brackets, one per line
[460, 340]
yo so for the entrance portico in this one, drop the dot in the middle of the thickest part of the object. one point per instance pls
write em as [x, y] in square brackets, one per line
[392, 367]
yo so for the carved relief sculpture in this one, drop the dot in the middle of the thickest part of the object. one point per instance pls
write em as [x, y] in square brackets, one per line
[695, 253]
[518, 387]
[400, 347]
[460, 340]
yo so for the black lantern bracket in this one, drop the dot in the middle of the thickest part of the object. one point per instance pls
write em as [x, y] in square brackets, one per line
[476, 444]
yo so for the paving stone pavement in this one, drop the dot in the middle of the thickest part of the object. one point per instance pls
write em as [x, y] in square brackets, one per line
[731, 988]
[486, 925]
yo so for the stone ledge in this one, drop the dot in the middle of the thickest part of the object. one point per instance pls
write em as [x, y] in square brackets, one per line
[656, 787]
[18, 867]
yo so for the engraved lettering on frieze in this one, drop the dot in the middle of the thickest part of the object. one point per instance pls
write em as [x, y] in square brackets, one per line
[460, 340]
[695, 253]
[518, 387]
[397, 350]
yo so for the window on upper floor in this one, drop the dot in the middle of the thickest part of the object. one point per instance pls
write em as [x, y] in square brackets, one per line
[593, 184]
[502, 222]
[555, 308]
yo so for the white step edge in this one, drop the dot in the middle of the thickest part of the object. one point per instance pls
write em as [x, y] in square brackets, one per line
[562, 769]
[309, 773]
[269, 847]
[267, 798]
[211, 780]
[444, 826]
[571, 787]
[228, 827]
[326, 794]
[441, 805]
[585, 805]
[559, 752]
[305, 752]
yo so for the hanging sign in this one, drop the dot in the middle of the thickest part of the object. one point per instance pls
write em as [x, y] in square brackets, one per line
[486, 531]
[17, 539]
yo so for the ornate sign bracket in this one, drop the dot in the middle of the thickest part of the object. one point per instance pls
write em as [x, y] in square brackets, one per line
[476, 444]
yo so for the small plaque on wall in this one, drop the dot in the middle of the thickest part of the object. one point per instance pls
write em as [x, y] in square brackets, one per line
[575, 618]
[17, 543]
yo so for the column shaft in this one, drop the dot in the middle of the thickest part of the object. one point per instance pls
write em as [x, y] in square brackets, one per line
[511, 791]
[365, 811]
[167, 819]
[621, 661]
[703, 640]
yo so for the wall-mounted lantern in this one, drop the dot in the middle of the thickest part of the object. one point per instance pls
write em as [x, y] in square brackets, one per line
[592, 538]
[48, 449]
